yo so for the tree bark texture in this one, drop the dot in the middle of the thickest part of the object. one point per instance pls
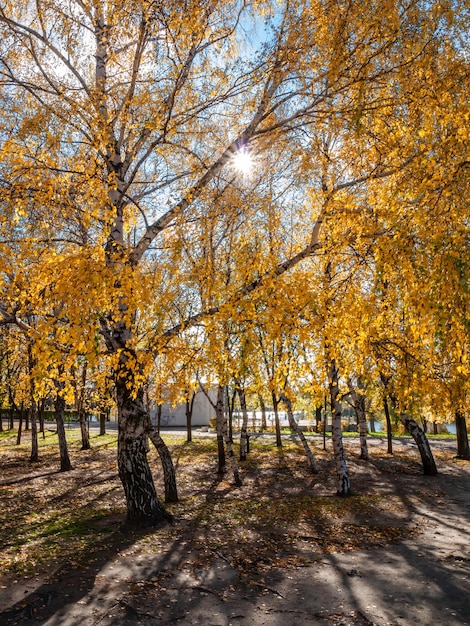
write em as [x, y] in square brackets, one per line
[463, 450]
[33, 410]
[20, 427]
[359, 404]
[220, 420]
[65, 464]
[143, 505]
[244, 428]
[277, 425]
[389, 426]
[295, 427]
[83, 430]
[34, 433]
[427, 458]
[263, 412]
[169, 474]
[189, 416]
[344, 483]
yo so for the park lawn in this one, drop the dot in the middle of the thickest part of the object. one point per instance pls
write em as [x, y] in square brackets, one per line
[282, 516]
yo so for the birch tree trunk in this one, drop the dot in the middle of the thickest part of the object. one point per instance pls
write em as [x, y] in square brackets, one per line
[276, 419]
[32, 392]
[230, 452]
[344, 484]
[102, 418]
[295, 427]
[427, 458]
[189, 405]
[65, 464]
[20, 426]
[263, 412]
[359, 404]
[42, 406]
[169, 474]
[143, 505]
[244, 428]
[34, 433]
[389, 426]
[220, 421]
[463, 450]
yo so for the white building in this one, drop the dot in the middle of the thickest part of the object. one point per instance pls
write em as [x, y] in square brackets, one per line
[203, 411]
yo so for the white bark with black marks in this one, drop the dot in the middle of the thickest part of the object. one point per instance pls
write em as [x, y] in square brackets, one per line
[427, 458]
[359, 404]
[296, 428]
[344, 483]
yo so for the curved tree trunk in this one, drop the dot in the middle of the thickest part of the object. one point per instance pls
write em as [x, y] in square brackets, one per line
[169, 474]
[463, 450]
[295, 427]
[427, 458]
[344, 483]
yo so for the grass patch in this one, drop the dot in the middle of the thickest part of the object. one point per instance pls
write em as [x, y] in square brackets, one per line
[49, 518]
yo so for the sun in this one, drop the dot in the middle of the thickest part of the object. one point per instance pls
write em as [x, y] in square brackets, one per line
[243, 162]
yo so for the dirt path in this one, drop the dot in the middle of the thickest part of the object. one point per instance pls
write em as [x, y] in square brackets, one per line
[424, 579]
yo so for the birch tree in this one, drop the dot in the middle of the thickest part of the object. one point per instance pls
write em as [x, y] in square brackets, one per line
[120, 126]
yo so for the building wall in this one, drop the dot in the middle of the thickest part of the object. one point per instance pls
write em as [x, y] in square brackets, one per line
[203, 411]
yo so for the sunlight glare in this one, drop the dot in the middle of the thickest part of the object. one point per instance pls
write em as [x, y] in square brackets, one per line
[243, 162]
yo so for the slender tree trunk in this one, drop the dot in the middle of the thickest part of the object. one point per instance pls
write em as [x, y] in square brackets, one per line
[463, 450]
[344, 484]
[263, 412]
[434, 428]
[318, 410]
[276, 419]
[244, 428]
[189, 415]
[231, 406]
[1, 421]
[34, 458]
[20, 426]
[169, 474]
[389, 426]
[230, 452]
[295, 427]
[42, 408]
[102, 417]
[65, 464]
[159, 417]
[372, 425]
[359, 404]
[427, 458]
[220, 421]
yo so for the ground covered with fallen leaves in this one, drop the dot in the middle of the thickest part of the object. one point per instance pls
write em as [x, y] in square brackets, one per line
[282, 516]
